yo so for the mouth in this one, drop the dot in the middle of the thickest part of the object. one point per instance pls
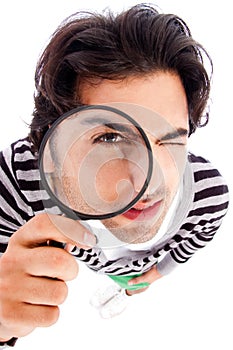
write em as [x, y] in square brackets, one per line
[143, 211]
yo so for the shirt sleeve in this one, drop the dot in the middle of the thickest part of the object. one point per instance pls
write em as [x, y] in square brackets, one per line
[210, 204]
[14, 209]
[185, 250]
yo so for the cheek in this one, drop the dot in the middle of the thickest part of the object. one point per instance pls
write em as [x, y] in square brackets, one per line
[106, 179]
[72, 186]
[119, 180]
[171, 161]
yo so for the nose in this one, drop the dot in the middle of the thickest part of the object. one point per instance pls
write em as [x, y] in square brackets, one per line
[139, 177]
[156, 181]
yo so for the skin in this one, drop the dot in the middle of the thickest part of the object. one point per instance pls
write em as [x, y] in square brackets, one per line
[164, 94]
[33, 275]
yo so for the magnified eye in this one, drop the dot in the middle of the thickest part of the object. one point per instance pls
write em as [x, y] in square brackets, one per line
[110, 137]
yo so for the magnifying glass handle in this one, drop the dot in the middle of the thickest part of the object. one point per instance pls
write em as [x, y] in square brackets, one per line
[72, 249]
[56, 244]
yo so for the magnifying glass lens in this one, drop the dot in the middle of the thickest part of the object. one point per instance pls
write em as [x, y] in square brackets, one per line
[96, 162]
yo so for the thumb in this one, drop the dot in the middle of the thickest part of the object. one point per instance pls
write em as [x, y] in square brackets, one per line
[46, 227]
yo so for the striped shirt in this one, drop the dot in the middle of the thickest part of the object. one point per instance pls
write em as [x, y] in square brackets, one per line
[198, 215]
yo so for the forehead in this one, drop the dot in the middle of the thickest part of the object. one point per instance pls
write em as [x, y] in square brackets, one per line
[161, 93]
[132, 120]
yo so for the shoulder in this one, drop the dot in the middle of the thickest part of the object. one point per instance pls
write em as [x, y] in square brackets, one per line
[20, 178]
[205, 174]
[15, 207]
[19, 167]
[17, 152]
[210, 190]
[18, 159]
[22, 151]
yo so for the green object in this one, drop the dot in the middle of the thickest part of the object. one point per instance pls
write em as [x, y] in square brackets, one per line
[123, 282]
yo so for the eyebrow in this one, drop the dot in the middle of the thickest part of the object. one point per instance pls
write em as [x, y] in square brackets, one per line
[174, 134]
[112, 125]
[120, 127]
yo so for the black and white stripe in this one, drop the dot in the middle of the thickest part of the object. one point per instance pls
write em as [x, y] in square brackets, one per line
[21, 198]
[208, 209]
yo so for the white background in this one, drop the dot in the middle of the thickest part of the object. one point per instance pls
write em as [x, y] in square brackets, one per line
[191, 308]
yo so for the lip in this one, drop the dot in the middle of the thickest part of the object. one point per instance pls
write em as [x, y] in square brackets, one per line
[142, 213]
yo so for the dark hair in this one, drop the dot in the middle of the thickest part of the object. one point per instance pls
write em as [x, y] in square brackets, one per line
[136, 42]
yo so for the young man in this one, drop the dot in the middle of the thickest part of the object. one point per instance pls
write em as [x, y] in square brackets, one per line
[139, 58]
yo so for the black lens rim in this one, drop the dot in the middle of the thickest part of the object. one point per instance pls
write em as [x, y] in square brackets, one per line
[74, 214]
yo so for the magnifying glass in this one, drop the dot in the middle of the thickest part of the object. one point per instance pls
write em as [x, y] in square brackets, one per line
[95, 162]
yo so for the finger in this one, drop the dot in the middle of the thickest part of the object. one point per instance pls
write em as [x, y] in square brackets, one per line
[138, 280]
[137, 291]
[69, 247]
[23, 315]
[44, 227]
[51, 262]
[148, 277]
[42, 291]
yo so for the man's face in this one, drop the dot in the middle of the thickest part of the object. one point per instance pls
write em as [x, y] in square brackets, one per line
[158, 103]
[164, 94]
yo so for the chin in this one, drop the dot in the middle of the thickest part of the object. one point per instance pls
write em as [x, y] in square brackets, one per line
[134, 232]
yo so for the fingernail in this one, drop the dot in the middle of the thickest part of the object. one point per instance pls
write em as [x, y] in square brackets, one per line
[89, 239]
[130, 283]
[69, 247]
